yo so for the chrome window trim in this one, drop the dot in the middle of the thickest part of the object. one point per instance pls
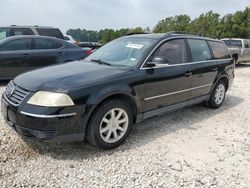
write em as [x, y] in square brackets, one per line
[47, 116]
[188, 63]
[176, 92]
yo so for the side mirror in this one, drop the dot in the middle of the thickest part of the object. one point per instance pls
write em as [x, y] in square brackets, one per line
[158, 61]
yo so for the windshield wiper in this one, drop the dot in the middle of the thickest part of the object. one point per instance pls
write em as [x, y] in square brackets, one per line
[100, 62]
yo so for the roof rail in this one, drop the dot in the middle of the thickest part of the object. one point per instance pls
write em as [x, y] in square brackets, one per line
[136, 33]
[183, 33]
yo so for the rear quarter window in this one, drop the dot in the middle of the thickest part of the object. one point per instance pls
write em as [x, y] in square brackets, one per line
[219, 50]
[50, 32]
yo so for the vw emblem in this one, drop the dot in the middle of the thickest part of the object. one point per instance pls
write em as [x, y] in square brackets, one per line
[10, 89]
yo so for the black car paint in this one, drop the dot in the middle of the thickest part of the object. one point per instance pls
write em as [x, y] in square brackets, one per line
[12, 63]
[89, 84]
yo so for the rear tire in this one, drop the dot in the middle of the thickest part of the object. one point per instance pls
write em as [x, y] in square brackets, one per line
[110, 124]
[235, 58]
[218, 94]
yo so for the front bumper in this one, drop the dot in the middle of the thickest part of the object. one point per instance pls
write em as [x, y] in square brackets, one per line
[42, 123]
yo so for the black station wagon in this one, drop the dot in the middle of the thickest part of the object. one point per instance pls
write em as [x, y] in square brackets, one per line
[124, 82]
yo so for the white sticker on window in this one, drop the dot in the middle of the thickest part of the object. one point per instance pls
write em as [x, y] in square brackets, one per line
[136, 46]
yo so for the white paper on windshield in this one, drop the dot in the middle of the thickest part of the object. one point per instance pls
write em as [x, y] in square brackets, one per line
[136, 46]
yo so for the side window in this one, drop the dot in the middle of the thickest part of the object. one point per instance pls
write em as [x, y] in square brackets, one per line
[219, 50]
[174, 52]
[19, 44]
[40, 44]
[21, 31]
[199, 50]
[4, 33]
[50, 32]
[247, 43]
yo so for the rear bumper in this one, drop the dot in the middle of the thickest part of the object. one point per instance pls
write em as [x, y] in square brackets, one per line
[50, 126]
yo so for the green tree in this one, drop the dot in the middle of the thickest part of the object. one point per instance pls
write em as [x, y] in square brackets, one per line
[176, 23]
[207, 24]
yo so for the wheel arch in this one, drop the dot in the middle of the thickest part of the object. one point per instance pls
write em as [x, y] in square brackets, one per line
[95, 102]
[223, 77]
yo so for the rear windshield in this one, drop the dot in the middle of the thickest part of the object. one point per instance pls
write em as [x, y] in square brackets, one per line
[233, 43]
[50, 32]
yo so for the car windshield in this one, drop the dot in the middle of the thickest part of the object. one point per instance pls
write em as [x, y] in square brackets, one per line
[233, 43]
[126, 51]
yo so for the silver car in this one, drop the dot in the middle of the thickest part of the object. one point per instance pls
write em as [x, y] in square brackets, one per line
[239, 49]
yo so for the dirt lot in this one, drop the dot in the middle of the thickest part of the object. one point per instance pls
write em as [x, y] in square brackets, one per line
[195, 146]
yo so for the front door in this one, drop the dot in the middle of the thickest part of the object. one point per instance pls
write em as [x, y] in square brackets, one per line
[168, 83]
[14, 57]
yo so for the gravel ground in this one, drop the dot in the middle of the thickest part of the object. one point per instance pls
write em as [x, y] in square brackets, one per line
[193, 147]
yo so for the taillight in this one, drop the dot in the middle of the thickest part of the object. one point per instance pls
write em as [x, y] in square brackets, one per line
[88, 52]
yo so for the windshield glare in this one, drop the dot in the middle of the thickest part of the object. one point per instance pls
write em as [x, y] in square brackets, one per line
[123, 51]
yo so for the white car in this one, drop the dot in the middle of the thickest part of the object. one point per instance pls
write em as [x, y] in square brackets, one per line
[239, 49]
[70, 39]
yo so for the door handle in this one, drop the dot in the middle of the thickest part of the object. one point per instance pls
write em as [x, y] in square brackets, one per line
[188, 73]
[60, 53]
[26, 55]
[215, 69]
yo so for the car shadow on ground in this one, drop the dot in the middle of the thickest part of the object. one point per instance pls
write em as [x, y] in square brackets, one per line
[142, 133]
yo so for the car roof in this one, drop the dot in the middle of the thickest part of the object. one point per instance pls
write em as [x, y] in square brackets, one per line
[28, 26]
[233, 39]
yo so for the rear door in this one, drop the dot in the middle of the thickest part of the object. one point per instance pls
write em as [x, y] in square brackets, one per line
[203, 67]
[45, 52]
[14, 57]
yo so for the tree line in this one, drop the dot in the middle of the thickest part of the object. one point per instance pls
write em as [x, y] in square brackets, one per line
[235, 25]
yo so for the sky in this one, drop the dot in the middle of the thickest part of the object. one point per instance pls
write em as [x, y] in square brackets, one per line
[101, 14]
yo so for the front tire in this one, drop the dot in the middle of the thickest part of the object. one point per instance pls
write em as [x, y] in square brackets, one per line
[110, 124]
[218, 95]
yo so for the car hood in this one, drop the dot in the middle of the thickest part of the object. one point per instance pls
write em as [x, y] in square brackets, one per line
[68, 76]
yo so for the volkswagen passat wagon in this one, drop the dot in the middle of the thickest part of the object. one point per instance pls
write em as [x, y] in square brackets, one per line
[126, 81]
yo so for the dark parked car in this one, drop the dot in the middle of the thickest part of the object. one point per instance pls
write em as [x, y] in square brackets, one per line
[124, 82]
[16, 30]
[23, 53]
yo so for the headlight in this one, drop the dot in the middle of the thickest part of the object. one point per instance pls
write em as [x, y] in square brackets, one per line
[50, 99]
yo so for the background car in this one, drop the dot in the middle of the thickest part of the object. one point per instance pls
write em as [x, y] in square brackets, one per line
[89, 47]
[70, 39]
[22, 53]
[239, 49]
[15, 30]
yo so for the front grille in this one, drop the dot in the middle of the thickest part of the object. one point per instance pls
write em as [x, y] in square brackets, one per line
[17, 94]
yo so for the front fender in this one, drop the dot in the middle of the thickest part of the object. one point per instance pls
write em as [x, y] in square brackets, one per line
[106, 92]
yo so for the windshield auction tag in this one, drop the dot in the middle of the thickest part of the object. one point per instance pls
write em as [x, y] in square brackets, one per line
[136, 46]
